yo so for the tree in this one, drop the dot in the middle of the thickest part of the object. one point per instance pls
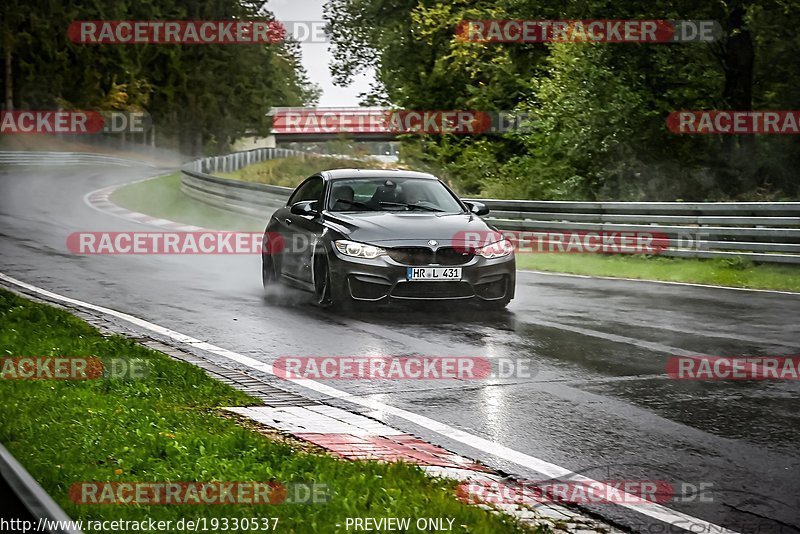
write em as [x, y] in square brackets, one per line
[200, 96]
[601, 107]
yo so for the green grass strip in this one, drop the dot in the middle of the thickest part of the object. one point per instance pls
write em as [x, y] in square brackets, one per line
[167, 427]
[162, 197]
[731, 272]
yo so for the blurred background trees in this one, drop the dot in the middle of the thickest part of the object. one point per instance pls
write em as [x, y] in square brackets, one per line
[601, 108]
[200, 97]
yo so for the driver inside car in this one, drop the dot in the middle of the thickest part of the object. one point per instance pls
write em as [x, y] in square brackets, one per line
[344, 196]
[411, 195]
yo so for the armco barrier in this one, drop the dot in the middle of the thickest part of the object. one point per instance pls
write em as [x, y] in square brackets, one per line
[241, 197]
[760, 231]
[29, 500]
[30, 158]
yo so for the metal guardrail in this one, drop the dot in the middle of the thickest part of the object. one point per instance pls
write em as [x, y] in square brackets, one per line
[253, 199]
[46, 514]
[760, 231]
[237, 160]
[25, 158]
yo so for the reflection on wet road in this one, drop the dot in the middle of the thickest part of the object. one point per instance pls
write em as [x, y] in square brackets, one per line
[597, 400]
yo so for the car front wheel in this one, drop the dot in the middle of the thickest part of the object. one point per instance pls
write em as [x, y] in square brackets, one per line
[327, 293]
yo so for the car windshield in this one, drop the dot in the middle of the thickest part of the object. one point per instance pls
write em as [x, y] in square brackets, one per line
[393, 194]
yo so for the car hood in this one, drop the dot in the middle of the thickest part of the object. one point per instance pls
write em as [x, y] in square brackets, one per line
[393, 229]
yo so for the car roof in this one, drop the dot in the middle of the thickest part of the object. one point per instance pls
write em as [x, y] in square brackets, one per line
[338, 174]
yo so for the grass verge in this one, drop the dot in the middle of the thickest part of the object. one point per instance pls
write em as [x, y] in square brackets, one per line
[165, 427]
[162, 197]
[719, 272]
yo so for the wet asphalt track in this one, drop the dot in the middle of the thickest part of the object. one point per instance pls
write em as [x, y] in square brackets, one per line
[599, 402]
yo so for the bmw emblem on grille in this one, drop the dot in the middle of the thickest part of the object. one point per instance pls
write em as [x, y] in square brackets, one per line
[432, 243]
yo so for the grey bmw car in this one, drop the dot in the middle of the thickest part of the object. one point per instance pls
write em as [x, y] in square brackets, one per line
[358, 235]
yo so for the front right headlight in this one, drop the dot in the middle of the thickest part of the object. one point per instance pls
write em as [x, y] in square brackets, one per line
[498, 249]
[358, 250]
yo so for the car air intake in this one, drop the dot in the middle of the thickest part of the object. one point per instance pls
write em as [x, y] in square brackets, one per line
[432, 290]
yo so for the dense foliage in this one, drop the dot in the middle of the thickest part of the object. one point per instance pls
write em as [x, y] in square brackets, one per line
[601, 108]
[200, 96]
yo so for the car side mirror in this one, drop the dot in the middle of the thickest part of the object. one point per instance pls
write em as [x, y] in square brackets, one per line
[477, 208]
[305, 207]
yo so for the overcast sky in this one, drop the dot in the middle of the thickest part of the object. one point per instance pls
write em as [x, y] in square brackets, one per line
[316, 56]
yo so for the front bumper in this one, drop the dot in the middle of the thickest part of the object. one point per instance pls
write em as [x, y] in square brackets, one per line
[384, 279]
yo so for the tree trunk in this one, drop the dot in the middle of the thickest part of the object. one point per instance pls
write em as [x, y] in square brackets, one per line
[9, 79]
[738, 60]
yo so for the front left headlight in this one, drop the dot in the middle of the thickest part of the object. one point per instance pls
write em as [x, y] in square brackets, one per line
[358, 250]
[498, 249]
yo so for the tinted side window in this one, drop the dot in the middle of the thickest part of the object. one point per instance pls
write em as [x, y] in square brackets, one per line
[310, 190]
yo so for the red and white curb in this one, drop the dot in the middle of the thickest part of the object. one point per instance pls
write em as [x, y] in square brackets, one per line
[355, 437]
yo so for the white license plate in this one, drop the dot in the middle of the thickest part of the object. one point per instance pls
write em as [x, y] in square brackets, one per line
[434, 274]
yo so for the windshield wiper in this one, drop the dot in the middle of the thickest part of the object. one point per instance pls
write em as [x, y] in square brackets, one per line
[356, 204]
[409, 206]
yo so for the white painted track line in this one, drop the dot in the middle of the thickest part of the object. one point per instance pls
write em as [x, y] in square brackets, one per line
[652, 510]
